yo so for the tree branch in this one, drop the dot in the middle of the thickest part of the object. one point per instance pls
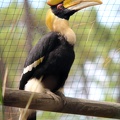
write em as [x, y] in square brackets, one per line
[18, 98]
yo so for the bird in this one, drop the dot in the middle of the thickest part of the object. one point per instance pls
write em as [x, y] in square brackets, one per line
[48, 64]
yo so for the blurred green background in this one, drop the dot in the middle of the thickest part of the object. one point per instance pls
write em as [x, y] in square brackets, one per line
[96, 69]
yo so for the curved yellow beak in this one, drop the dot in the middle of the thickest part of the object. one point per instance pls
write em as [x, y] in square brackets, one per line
[75, 4]
[80, 4]
[54, 2]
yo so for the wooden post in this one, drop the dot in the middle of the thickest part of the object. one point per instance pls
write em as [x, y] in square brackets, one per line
[18, 98]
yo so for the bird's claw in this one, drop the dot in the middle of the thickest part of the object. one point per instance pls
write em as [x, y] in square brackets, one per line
[54, 96]
[61, 95]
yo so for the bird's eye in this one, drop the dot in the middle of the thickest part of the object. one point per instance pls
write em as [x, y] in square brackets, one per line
[60, 6]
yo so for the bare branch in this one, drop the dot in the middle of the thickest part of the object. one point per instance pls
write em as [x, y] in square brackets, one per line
[17, 98]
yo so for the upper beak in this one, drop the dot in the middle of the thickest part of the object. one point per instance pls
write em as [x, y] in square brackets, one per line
[80, 4]
[54, 2]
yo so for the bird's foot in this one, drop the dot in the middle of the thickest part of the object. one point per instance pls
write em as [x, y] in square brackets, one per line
[61, 95]
[54, 96]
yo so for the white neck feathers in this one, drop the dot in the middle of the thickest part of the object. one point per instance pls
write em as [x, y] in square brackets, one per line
[62, 26]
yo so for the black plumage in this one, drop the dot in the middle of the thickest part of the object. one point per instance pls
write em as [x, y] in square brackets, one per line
[58, 56]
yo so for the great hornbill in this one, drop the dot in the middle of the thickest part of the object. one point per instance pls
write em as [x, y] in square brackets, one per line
[48, 63]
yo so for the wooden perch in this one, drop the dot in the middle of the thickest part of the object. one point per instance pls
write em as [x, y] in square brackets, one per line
[18, 98]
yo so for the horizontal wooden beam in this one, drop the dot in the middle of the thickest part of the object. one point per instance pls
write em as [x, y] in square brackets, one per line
[18, 98]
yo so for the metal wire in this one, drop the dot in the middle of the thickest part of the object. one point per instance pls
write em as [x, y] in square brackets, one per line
[96, 69]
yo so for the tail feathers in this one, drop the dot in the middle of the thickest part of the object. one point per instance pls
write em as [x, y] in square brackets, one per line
[32, 116]
[32, 85]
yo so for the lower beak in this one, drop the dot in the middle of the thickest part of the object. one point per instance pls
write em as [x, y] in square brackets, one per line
[80, 4]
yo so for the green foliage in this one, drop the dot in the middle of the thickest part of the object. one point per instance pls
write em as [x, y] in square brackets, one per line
[116, 33]
[93, 40]
[13, 36]
[0, 94]
[57, 116]
[49, 116]
[10, 14]
[12, 45]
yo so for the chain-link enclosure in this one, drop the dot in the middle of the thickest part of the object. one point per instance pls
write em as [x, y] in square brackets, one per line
[95, 72]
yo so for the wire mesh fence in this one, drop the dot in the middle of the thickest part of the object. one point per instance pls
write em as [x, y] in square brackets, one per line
[95, 72]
